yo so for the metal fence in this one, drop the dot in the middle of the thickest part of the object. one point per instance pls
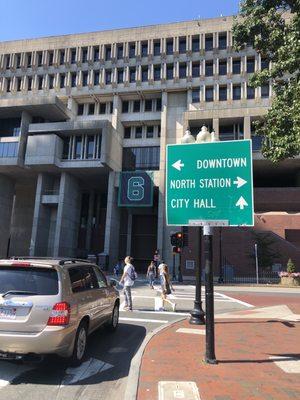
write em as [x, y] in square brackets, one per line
[263, 277]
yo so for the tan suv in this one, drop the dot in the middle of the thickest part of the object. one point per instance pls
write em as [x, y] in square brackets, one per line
[52, 305]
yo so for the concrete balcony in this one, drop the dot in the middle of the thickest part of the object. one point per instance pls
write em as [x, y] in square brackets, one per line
[45, 146]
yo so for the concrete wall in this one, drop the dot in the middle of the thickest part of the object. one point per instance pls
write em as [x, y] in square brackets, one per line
[68, 214]
[7, 188]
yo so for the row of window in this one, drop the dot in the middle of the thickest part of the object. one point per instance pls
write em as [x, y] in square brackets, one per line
[141, 158]
[95, 108]
[92, 54]
[82, 78]
[8, 149]
[147, 105]
[142, 132]
[223, 93]
[82, 147]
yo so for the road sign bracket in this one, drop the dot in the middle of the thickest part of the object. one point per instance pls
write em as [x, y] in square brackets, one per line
[202, 222]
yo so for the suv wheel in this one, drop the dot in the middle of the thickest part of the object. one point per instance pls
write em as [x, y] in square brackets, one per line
[114, 318]
[80, 344]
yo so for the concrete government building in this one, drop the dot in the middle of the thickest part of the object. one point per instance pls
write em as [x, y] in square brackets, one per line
[77, 111]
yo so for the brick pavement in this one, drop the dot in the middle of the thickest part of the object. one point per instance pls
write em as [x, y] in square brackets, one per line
[243, 350]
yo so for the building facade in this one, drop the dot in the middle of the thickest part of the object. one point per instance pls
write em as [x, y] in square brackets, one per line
[78, 110]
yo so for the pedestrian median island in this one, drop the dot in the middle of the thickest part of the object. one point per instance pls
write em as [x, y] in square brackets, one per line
[246, 340]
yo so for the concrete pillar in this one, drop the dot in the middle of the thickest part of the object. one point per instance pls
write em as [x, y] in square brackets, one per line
[90, 221]
[6, 200]
[25, 121]
[68, 215]
[112, 224]
[161, 193]
[73, 105]
[247, 127]
[22, 218]
[129, 234]
[216, 126]
[41, 220]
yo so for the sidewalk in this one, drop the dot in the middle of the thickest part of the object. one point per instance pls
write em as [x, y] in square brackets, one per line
[258, 358]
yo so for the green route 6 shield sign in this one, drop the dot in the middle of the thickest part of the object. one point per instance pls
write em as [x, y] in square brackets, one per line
[210, 183]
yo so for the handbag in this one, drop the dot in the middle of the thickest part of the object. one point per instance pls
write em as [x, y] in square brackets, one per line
[168, 289]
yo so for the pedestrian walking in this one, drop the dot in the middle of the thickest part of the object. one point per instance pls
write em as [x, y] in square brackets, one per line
[151, 274]
[156, 259]
[118, 268]
[166, 287]
[127, 280]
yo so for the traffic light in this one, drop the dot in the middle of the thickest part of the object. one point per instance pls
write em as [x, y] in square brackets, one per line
[173, 239]
[176, 249]
[177, 240]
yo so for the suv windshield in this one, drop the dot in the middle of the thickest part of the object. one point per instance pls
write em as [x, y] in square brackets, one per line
[41, 281]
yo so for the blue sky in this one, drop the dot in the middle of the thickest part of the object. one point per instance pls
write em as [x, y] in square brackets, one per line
[24, 19]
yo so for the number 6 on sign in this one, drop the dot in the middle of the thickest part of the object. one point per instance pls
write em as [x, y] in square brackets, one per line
[135, 188]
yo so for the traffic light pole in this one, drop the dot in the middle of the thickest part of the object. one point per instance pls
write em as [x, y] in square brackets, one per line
[210, 357]
[179, 269]
[173, 271]
[197, 314]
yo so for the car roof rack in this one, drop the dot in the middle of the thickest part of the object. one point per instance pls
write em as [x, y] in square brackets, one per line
[61, 261]
[72, 261]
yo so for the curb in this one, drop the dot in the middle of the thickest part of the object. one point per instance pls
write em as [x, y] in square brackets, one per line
[134, 370]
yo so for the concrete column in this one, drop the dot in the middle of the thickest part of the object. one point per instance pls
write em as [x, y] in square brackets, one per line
[216, 126]
[41, 220]
[6, 201]
[112, 224]
[25, 121]
[73, 105]
[90, 221]
[129, 234]
[161, 194]
[22, 218]
[68, 215]
[247, 127]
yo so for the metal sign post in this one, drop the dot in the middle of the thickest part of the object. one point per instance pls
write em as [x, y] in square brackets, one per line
[209, 184]
[210, 357]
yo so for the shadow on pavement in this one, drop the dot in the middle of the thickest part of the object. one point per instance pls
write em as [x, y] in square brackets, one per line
[116, 348]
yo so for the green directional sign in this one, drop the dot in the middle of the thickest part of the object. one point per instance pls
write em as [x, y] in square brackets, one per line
[210, 183]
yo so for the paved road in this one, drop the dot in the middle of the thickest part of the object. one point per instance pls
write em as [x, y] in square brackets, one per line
[104, 374]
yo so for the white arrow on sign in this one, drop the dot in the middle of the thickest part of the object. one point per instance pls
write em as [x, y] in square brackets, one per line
[241, 203]
[239, 182]
[178, 165]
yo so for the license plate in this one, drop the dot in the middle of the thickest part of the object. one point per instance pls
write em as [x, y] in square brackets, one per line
[8, 313]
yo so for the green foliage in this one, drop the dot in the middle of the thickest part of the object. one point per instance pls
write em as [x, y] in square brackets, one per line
[266, 253]
[272, 27]
[290, 267]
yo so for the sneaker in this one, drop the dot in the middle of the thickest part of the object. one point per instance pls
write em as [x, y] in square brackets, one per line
[126, 308]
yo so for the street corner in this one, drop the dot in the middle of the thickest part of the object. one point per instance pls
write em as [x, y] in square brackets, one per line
[251, 356]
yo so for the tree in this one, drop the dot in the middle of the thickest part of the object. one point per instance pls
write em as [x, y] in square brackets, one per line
[266, 250]
[272, 27]
[290, 267]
